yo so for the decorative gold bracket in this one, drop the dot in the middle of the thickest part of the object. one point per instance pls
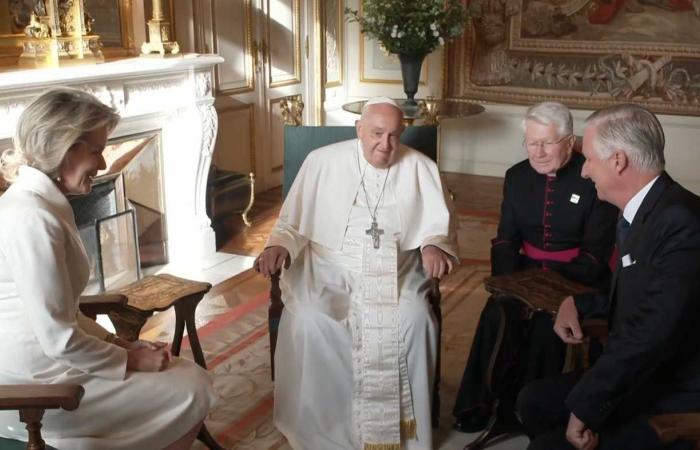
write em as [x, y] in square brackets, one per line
[292, 107]
[428, 111]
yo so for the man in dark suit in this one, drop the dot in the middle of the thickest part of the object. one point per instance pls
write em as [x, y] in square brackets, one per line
[651, 363]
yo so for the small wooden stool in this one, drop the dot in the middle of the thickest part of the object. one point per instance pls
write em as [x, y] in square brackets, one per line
[158, 293]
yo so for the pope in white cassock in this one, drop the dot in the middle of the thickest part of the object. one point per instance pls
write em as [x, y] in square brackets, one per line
[365, 226]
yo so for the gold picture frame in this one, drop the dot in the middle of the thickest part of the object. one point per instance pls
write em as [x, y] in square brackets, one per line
[332, 35]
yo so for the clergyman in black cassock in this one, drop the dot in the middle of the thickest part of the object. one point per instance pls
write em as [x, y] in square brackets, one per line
[549, 220]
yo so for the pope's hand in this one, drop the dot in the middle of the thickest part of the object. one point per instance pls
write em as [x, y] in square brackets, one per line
[579, 435]
[567, 325]
[436, 263]
[271, 260]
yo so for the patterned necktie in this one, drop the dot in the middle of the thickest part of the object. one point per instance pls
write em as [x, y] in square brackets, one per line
[623, 228]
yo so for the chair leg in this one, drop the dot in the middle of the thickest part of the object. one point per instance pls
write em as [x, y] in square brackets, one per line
[32, 418]
[185, 312]
[434, 298]
[274, 314]
[207, 439]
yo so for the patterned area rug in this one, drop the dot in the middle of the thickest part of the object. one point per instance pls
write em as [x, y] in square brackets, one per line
[237, 349]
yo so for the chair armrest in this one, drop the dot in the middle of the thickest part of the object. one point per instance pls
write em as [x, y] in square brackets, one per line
[40, 396]
[671, 427]
[596, 329]
[92, 305]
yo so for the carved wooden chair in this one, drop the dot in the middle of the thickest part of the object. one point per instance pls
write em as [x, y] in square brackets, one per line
[31, 400]
[299, 141]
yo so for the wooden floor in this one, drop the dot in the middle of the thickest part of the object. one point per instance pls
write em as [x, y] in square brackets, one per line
[472, 192]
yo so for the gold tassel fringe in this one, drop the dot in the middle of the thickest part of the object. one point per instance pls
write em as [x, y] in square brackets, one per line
[382, 446]
[408, 429]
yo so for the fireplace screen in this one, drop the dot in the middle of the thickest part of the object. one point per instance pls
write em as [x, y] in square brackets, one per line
[112, 247]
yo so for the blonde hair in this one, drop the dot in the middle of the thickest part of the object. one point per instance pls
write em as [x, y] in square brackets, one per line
[50, 125]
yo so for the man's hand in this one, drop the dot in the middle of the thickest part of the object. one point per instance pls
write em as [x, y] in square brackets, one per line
[579, 435]
[436, 263]
[271, 260]
[566, 324]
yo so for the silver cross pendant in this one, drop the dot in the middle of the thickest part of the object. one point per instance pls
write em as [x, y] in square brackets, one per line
[375, 232]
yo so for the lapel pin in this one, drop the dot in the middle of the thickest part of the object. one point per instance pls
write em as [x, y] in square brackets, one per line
[575, 198]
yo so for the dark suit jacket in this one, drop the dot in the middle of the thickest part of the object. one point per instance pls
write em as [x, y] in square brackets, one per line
[652, 359]
[555, 213]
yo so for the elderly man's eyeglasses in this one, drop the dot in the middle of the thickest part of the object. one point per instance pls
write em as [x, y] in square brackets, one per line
[548, 145]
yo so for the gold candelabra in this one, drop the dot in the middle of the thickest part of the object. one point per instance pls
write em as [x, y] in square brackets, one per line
[159, 34]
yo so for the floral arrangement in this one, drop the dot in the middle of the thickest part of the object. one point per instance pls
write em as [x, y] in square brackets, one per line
[410, 26]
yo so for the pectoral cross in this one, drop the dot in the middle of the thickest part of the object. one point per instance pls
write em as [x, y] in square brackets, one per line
[375, 232]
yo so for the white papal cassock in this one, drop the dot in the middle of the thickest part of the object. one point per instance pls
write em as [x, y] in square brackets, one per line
[44, 338]
[357, 341]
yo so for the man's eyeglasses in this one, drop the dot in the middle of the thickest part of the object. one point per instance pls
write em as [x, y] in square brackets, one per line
[548, 145]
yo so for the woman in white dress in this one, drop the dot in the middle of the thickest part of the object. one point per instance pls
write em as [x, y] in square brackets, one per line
[136, 395]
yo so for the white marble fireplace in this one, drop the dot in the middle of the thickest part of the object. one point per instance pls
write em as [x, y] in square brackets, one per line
[170, 96]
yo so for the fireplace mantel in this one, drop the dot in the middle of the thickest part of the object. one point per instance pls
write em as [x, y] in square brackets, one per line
[172, 96]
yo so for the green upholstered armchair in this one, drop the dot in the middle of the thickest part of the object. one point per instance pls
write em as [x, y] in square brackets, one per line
[299, 141]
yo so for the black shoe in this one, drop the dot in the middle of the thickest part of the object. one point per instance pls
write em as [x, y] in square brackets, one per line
[471, 421]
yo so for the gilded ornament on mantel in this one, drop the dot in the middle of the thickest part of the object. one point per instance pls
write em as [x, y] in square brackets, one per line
[159, 42]
[55, 32]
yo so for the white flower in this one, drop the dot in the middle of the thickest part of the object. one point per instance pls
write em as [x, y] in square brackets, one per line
[433, 26]
[393, 33]
[441, 41]
[400, 35]
[436, 33]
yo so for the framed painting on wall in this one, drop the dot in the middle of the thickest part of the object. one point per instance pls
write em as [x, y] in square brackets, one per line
[379, 66]
[585, 53]
[112, 21]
